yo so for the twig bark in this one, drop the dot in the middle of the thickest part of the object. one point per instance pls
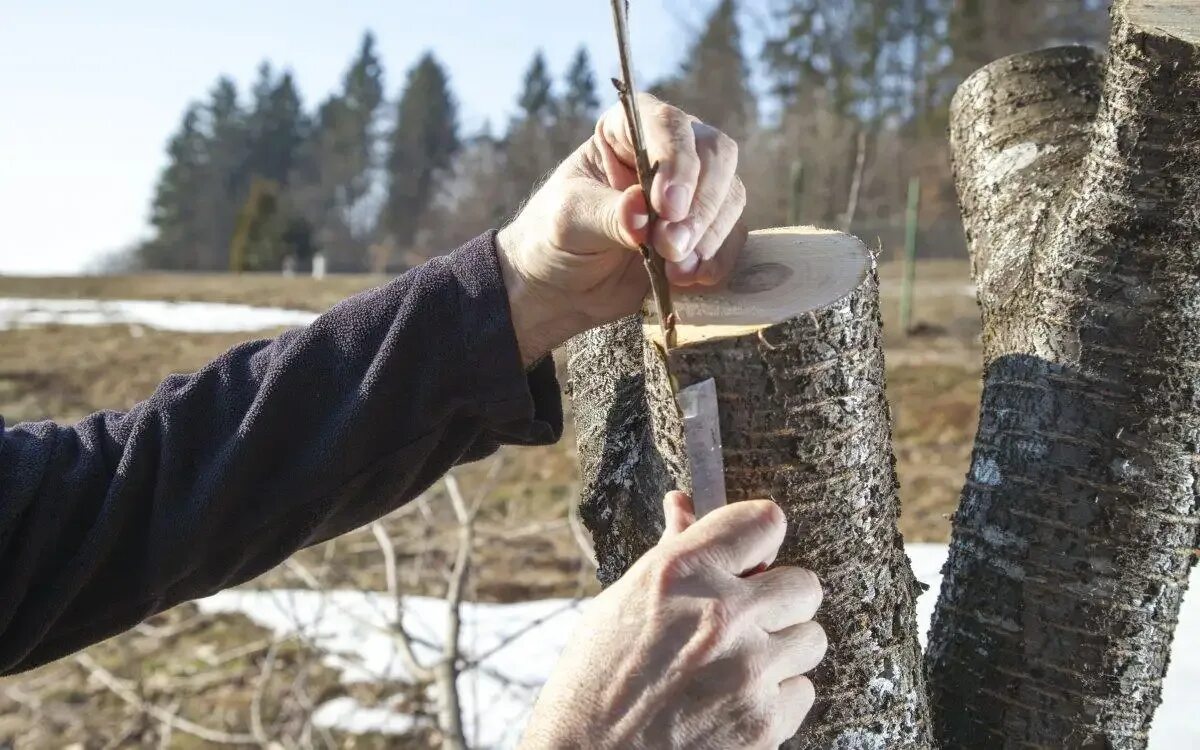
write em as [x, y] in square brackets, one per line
[860, 165]
[115, 685]
[655, 265]
[420, 672]
[446, 672]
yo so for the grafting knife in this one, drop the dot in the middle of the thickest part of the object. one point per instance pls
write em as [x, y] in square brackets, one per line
[702, 441]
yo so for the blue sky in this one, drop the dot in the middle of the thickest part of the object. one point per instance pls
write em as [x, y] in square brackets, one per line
[91, 91]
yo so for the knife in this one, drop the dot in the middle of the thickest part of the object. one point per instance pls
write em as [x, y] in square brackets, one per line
[702, 441]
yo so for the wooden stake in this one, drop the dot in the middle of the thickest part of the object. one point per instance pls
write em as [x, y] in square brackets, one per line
[910, 254]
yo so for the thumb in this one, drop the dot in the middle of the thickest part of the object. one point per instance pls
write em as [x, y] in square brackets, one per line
[598, 217]
[678, 514]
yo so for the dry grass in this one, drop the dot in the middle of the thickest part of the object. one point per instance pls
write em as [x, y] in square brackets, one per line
[526, 549]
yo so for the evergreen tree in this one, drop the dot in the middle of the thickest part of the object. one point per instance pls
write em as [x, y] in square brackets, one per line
[226, 180]
[178, 227]
[536, 99]
[423, 143]
[715, 81]
[579, 101]
[338, 161]
[277, 126]
[576, 113]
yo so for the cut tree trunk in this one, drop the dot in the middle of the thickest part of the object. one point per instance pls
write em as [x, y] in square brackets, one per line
[1080, 518]
[794, 344]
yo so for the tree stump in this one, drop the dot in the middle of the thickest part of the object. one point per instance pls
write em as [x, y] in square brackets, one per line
[794, 343]
[1080, 519]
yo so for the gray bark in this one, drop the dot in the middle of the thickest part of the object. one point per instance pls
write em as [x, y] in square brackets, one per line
[804, 422]
[1080, 518]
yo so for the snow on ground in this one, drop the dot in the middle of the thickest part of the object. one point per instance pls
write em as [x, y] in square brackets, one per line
[514, 646]
[191, 317]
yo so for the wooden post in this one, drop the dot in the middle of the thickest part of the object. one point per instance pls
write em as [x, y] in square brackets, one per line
[912, 222]
[1080, 518]
[794, 344]
[796, 196]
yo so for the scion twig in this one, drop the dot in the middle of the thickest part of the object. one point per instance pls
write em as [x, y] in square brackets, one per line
[655, 265]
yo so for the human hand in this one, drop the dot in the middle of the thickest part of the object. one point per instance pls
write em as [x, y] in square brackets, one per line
[685, 652]
[570, 257]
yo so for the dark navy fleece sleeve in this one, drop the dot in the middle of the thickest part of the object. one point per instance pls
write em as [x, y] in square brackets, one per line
[274, 446]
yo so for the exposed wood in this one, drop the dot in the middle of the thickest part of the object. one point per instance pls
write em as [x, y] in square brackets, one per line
[794, 344]
[787, 272]
[1080, 517]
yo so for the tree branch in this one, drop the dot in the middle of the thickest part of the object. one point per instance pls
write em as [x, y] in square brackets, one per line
[655, 265]
[114, 685]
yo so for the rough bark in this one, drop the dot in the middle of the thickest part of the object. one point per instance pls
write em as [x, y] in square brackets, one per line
[1080, 518]
[804, 421]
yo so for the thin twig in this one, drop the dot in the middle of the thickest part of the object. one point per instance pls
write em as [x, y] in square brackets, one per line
[450, 710]
[627, 92]
[122, 691]
[860, 163]
[419, 671]
[264, 679]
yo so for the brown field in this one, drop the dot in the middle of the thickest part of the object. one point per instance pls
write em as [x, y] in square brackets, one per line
[208, 669]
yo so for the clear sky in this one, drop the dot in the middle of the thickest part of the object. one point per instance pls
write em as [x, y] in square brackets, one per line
[92, 90]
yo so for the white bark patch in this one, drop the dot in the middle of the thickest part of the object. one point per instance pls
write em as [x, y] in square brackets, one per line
[1013, 159]
[986, 472]
[998, 537]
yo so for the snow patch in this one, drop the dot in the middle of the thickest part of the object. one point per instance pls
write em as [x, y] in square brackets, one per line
[190, 317]
[352, 629]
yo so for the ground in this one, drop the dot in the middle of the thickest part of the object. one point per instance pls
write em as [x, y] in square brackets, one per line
[222, 672]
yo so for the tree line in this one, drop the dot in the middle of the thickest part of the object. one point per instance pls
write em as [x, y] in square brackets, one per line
[855, 103]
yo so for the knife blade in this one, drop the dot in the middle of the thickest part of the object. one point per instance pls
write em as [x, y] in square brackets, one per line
[702, 442]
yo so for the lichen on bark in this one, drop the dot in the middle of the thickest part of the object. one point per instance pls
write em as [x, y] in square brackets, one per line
[1080, 516]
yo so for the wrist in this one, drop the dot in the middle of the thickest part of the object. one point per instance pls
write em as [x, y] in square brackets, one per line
[542, 317]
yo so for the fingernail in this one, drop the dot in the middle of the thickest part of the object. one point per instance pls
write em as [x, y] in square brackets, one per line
[689, 264]
[679, 237]
[679, 200]
[640, 221]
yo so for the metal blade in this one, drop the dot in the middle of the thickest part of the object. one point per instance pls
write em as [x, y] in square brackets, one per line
[702, 438]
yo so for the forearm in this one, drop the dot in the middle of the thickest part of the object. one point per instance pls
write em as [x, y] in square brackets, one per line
[274, 446]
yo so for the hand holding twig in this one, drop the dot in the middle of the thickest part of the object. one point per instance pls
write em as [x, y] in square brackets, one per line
[655, 265]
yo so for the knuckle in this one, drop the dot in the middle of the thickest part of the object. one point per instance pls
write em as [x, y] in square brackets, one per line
[727, 148]
[705, 207]
[716, 619]
[753, 725]
[766, 512]
[561, 227]
[813, 589]
[815, 641]
[667, 570]
[822, 642]
[737, 193]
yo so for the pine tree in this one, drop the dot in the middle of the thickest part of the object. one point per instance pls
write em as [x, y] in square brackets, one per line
[715, 82]
[580, 101]
[423, 143]
[536, 99]
[173, 213]
[277, 126]
[575, 116]
[338, 161]
[226, 181]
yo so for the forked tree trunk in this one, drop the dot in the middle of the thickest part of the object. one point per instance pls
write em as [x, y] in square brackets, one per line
[794, 345]
[1079, 522]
